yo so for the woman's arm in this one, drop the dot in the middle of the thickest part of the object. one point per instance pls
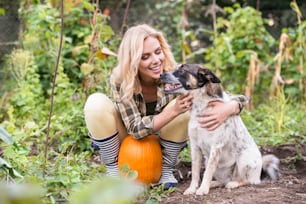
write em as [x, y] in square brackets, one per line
[218, 114]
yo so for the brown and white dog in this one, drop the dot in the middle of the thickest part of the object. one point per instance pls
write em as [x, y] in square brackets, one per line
[231, 155]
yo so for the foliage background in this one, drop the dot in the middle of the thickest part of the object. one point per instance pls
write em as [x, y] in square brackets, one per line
[238, 44]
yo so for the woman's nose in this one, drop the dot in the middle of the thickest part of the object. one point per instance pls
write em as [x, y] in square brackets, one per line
[155, 58]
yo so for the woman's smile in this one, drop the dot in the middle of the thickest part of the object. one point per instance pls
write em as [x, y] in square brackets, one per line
[156, 69]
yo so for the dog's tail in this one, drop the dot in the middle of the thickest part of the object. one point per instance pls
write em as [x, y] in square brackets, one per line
[270, 166]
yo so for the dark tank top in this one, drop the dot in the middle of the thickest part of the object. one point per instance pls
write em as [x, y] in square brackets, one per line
[151, 108]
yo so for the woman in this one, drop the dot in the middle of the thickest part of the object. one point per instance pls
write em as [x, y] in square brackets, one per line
[141, 107]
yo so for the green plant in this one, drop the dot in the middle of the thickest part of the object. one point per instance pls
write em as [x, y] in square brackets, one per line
[84, 36]
[27, 96]
[293, 66]
[2, 11]
[20, 193]
[9, 172]
[107, 190]
[242, 31]
[185, 154]
[26, 99]
[97, 44]
[170, 24]
[5, 136]
[155, 195]
[41, 37]
[276, 122]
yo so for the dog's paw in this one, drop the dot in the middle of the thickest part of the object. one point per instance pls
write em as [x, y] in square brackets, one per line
[232, 184]
[190, 190]
[202, 191]
[215, 184]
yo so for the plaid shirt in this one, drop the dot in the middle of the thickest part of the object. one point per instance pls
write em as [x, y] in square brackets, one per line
[133, 112]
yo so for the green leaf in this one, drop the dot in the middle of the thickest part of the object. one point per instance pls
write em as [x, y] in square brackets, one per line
[106, 32]
[5, 136]
[21, 193]
[88, 6]
[12, 172]
[128, 172]
[2, 11]
[86, 68]
[132, 174]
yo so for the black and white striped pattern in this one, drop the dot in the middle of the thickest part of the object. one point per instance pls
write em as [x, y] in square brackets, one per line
[170, 151]
[109, 149]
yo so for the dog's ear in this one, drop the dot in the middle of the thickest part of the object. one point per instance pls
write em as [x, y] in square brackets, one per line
[212, 77]
[206, 75]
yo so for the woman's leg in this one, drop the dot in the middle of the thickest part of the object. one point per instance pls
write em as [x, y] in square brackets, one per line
[177, 129]
[173, 140]
[101, 117]
[106, 129]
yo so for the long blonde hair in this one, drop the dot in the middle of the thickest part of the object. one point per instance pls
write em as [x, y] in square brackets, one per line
[125, 74]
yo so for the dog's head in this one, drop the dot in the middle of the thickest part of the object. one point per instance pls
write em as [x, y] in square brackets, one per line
[191, 76]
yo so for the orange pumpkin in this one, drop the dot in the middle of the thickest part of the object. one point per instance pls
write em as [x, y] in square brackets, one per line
[144, 156]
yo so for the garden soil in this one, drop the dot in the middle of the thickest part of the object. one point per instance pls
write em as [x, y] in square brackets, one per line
[290, 188]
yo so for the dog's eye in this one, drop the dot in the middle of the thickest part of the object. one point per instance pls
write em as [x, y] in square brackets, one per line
[181, 71]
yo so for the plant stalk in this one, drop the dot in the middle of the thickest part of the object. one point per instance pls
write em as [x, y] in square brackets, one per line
[53, 89]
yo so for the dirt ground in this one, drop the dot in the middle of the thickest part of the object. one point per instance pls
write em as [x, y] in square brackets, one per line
[290, 188]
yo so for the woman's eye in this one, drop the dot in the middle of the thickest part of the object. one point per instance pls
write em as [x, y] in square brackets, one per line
[159, 51]
[144, 57]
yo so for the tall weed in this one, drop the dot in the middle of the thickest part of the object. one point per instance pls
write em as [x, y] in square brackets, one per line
[278, 121]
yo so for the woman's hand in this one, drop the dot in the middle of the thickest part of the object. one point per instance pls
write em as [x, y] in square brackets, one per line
[183, 103]
[171, 111]
[220, 111]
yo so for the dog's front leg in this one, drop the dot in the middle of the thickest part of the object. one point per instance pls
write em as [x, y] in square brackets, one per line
[210, 169]
[196, 163]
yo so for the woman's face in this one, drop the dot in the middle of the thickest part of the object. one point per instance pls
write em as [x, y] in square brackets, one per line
[152, 60]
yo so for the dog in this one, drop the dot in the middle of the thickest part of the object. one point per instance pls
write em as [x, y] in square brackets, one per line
[231, 155]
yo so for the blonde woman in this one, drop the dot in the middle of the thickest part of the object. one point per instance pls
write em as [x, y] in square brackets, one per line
[140, 106]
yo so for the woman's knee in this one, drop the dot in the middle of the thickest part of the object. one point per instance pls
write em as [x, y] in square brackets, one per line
[97, 102]
[100, 115]
[177, 129]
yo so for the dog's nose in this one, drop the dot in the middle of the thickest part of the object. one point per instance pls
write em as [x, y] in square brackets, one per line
[162, 77]
[188, 86]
